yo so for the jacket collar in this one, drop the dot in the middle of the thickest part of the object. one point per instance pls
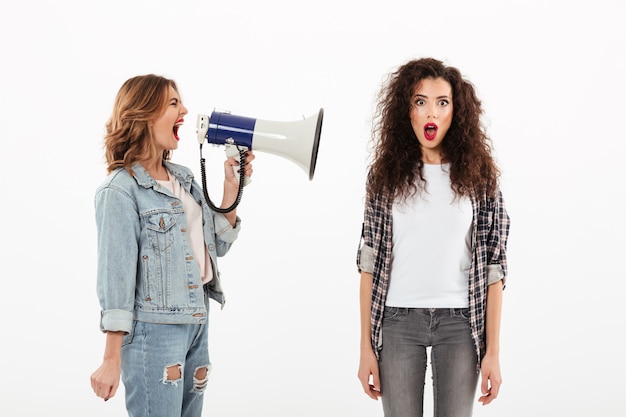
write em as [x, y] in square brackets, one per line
[182, 174]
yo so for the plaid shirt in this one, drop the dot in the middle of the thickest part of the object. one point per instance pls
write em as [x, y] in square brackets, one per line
[490, 230]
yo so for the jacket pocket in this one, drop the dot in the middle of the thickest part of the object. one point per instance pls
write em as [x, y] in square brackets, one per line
[160, 229]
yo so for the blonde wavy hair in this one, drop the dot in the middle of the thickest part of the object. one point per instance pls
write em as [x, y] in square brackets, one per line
[128, 139]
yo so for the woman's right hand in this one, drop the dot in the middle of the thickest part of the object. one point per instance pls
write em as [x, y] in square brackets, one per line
[368, 374]
[106, 379]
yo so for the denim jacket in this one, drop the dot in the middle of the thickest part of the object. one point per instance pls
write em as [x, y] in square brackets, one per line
[146, 266]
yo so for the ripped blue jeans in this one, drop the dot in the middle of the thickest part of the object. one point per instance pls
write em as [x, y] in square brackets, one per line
[165, 369]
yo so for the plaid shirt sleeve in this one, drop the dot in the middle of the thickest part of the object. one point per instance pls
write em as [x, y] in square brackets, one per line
[489, 264]
[494, 234]
[374, 256]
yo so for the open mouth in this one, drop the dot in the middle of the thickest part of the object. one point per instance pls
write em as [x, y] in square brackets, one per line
[430, 131]
[177, 125]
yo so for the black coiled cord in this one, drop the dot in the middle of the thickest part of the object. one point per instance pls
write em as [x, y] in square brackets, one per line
[242, 165]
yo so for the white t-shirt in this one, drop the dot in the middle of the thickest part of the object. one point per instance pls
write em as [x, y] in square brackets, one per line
[431, 254]
[193, 213]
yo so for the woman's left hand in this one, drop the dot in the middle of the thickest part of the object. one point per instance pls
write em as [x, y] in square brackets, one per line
[491, 379]
[231, 169]
[231, 183]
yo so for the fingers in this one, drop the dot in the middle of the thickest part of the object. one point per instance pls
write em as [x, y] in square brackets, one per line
[248, 164]
[490, 388]
[484, 385]
[375, 392]
[375, 384]
[486, 399]
[371, 391]
[248, 159]
[490, 395]
[101, 388]
[234, 164]
[371, 385]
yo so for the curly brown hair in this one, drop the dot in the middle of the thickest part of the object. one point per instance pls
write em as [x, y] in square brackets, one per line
[397, 167]
[128, 138]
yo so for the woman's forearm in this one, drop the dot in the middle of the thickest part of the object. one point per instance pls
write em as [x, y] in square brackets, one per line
[493, 318]
[365, 301]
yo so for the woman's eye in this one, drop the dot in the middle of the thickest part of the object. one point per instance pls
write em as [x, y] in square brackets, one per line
[419, 102]
[443, 102]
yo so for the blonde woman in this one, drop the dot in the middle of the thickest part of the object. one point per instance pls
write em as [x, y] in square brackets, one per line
[158, 244]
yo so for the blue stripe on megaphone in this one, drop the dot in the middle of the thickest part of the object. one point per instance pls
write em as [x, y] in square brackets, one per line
[223, 126]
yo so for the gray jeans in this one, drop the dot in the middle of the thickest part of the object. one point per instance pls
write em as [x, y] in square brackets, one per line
[407, 332]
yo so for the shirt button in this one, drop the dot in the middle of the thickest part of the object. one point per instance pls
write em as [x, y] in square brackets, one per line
[189, 258]
[183, 230]
[175, 203]
[211, 247]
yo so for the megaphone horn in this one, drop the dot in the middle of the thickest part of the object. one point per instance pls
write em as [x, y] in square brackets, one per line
[297, 140]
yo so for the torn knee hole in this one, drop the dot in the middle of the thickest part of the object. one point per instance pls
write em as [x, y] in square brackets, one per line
[201, 373]
[172, 373]
[201, 379]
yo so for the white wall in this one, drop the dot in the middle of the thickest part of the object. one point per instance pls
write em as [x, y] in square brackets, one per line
[551, 77]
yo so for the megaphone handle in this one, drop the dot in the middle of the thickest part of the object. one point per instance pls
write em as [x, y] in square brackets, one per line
[206, 194]
[233, 151]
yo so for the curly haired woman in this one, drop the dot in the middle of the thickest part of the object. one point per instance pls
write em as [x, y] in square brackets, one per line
[432, 257]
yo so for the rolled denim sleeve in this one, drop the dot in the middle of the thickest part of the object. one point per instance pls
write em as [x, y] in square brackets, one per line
[225, 233]
[116, 320]
[224, 230]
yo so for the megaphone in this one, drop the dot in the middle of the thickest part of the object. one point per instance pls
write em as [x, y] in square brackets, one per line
[297, 141]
